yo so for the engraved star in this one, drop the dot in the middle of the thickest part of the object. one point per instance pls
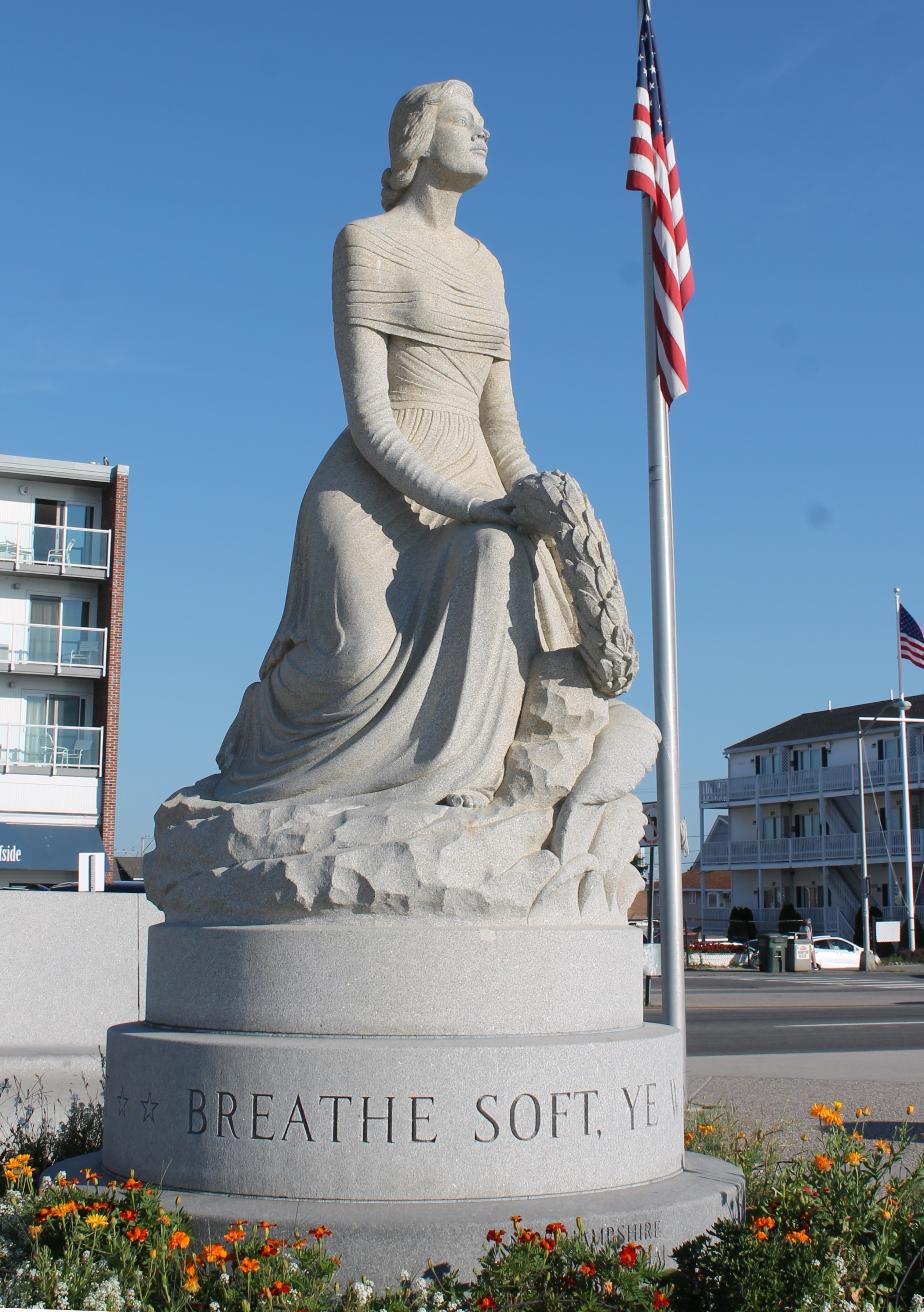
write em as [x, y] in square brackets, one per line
[122, 1100]
[150, 1106]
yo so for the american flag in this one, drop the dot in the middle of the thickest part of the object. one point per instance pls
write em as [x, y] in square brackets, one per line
[910, 638]
[653, 170]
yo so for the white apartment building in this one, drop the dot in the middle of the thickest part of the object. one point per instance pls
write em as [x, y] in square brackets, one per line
[792, 798]
[62, 554]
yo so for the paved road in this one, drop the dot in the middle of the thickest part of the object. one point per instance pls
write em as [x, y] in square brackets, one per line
[741, 1012]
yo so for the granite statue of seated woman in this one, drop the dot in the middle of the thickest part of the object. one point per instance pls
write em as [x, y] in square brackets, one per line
[435, 727]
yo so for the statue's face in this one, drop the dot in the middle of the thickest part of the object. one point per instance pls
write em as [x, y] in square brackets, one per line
[459, 147]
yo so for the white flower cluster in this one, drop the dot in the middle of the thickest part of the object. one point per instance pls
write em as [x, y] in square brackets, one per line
[363, 1289]
[106, 1296]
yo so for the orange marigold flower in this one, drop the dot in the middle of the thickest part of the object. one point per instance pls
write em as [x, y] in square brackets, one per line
[888, 1213]
[823, 1162]
[857, 1138]
[62, 1209]
[761, 1235]
[628, 1254]
[320, 1232]
[270, 1248]
[128, 1214]
[487, 1302]
[587, 1269]
[831, 1116]
[516, 1219]
[132, 1183]
[688, 1138]
[191, 1283]
[858, 1112]
[280, 1287]
[661, 1300]
[556, 1228]
[235, 1234]
[136, 1234]
[267, 1225]
[797, 1237]
[763, 1223]
[910, 1109]
[214, 1253]
[706, 1128]
[90, 1176]
[853, 1159]
[248, 1264]
[547, 1244]
[883, 1145]
[607, 1286]
[34, 1230]
[179, 1239]
[816, 1108]
[495, 1236]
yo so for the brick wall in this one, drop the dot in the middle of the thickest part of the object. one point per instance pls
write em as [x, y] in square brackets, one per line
[112, 598]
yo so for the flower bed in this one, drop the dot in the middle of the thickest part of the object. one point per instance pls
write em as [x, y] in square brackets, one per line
[838, 1229]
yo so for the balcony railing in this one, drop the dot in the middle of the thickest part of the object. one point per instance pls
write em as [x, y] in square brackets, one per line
[50, 749]
[62, 648]
[808, 783]
[830, 849]
[47, 548]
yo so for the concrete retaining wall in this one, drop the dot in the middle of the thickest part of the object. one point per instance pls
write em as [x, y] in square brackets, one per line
[71, 965]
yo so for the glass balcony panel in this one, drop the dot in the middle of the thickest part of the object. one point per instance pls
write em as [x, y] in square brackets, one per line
[82, 646]
[25, 747]
[87, 547]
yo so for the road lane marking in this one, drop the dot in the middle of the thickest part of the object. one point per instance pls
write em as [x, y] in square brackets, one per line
[841, 1024]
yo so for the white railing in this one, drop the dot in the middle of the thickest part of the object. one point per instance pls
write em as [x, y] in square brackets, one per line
[831, 849]
[60, 547]
[50, 749]
[809, 783]
[71, 650]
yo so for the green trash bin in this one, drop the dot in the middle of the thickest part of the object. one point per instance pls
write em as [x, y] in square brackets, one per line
[772, 953]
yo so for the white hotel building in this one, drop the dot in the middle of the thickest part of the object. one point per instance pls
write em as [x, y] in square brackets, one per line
[62, 558]
[792, 798]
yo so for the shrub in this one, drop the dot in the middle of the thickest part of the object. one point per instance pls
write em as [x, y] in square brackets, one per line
[790, 919]
[741, 924]
[875, 913]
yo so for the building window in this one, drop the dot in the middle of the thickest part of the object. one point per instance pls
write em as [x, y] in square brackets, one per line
[712, 900]
[807, 826]
[887, 749]
[809, 758]
[771, 826]
[769, 763]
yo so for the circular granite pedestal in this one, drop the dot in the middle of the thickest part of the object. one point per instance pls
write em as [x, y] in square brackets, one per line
[409, 1084]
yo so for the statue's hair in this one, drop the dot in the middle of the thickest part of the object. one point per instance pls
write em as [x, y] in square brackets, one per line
[410, 133]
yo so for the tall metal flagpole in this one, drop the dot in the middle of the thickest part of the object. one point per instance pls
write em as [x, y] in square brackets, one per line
[906, 792]
[664, 641]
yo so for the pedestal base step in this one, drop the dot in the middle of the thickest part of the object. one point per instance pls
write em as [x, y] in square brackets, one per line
[379, 1240]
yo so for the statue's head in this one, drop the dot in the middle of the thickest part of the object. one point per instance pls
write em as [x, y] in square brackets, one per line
[437, 123]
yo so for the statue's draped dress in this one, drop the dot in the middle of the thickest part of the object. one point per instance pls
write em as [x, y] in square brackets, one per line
[400, 661]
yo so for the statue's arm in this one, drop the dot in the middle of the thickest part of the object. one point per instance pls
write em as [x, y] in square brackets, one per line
[501, 427]
[362, 354]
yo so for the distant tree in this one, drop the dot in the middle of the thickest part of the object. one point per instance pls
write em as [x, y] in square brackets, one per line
[875, 913]
[790, 919]
[741, 926]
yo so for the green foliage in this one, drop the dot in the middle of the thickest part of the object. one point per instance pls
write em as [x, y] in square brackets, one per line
[31, 1129]
[741, 924]
[875, 913]
[790, 919]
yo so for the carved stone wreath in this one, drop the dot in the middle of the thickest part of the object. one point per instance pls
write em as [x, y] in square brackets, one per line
[554, 506]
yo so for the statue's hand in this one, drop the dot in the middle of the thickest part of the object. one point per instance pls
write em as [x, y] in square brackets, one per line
[498, 512]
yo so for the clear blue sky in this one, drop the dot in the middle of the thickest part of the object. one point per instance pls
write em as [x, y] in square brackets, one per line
[175, 174]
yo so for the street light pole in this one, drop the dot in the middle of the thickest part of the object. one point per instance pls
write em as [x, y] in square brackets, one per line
[864, 877]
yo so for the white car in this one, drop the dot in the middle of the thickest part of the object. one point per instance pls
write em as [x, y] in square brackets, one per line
[833, 953]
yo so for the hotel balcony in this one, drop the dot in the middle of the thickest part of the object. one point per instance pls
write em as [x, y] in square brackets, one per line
[82, 553]
[831, 850]
[788, 784]
[53, 649]
[50, 749]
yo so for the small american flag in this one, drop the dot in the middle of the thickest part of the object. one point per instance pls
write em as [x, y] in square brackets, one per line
[910, 638]
[653, 170]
